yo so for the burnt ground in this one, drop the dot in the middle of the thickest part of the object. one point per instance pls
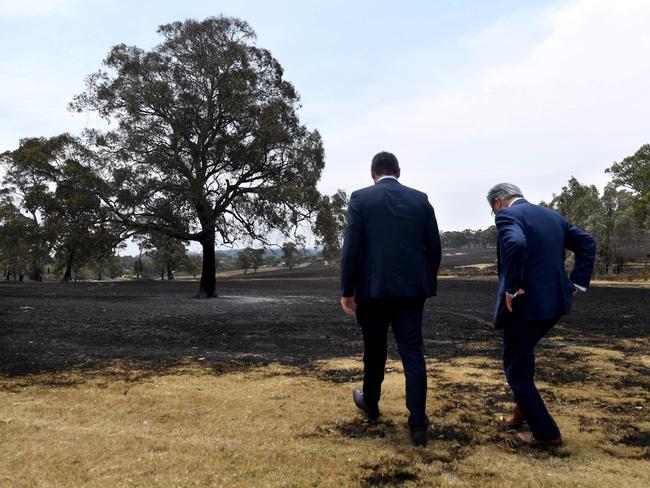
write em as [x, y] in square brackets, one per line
[290, 317]
[134, 329]
[595, 366]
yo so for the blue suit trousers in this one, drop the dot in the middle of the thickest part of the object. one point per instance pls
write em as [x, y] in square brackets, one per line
[520, 337]
[405, 316]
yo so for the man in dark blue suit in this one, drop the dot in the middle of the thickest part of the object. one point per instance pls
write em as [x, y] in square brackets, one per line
[391, 256]
[534, 292]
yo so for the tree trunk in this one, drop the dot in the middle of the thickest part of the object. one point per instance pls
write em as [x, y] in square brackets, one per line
[67, 276]
[162, 272]
[208, 286]
[36, 274]
[170, 273]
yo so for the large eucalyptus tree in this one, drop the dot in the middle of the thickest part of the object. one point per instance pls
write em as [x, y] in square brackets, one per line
[207, 143]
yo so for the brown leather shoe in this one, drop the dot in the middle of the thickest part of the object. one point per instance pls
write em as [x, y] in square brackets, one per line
[528, 439]
[517, 418]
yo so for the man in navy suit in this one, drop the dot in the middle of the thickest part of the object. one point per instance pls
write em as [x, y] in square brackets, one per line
[391, 256]
[534, 292]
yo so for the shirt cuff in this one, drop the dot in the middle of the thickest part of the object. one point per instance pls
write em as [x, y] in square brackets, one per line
[579, 287]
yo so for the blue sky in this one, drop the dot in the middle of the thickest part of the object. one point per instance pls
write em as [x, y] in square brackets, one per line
[465, 93]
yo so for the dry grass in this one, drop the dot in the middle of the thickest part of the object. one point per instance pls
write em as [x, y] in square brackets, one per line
[274, 426]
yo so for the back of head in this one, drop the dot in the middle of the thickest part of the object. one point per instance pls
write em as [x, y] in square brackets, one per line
[504, 192]
[385, 163]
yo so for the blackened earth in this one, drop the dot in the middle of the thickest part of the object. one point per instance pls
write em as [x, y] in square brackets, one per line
[288, 317]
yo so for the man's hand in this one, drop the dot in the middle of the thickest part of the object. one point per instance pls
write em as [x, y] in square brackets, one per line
[510, 297]
[349, 305]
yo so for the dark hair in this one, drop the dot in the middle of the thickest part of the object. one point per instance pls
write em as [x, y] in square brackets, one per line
[385, 163]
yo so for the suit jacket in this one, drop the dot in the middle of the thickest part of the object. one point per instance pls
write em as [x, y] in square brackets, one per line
[392, 243]
[532, 243]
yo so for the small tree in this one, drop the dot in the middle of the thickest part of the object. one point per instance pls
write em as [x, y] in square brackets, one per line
[290, 254]
[14, 249]
[192, 264]
[330, 225]
[258, 258]
[633, 173]
[28, 179]
[245, 259]
[578, 203]
[166, 251]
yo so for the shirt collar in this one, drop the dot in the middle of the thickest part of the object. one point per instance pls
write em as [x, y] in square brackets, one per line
[518, 198]
[385, 177]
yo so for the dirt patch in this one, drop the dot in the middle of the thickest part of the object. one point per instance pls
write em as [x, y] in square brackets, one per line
[390, 478]
[638, 439]
[389, 473]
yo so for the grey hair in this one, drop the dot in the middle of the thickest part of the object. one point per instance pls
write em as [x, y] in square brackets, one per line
[503, 191]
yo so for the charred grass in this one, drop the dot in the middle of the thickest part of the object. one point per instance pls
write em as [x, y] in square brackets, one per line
[143, 386]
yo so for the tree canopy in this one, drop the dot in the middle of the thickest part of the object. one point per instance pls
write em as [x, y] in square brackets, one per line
[208, 142]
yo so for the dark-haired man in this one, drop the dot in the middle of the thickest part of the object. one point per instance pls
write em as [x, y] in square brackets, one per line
[390, 260]
[534, 292]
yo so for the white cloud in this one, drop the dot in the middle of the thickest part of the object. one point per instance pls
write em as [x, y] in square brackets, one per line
[576, 100]
[30, 8]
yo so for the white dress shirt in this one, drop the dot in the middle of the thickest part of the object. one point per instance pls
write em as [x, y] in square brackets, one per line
[384, 177]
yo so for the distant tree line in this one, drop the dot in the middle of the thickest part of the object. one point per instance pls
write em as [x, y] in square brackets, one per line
[469, 238]
[619, 218]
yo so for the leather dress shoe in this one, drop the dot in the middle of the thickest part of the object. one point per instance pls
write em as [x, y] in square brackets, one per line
[371, 411]
[419, 438]
[528, 439]
[517, 418]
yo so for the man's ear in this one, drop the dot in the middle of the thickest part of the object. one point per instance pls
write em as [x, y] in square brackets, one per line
[398, 173]
[373, 175]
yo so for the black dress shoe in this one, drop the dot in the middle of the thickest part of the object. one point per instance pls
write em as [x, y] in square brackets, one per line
[419, 438]
[372, 412]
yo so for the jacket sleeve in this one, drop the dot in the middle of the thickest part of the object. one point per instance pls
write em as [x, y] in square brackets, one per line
[351, 255]
[584, 247]
[432, 246]
[515, 250]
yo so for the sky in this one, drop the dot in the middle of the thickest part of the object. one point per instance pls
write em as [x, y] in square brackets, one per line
[466, 94]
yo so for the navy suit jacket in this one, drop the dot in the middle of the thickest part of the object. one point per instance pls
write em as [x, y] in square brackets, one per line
[532, 243]
[392, 243]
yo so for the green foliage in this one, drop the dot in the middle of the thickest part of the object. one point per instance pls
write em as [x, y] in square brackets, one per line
[14, 248]
[578, 203]
[633, 172]
[28, 182]
[192, 264]
[290, 254]
[613, 219]
[46, 177]
[249, 258]
[331, 221]
[166, 252]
